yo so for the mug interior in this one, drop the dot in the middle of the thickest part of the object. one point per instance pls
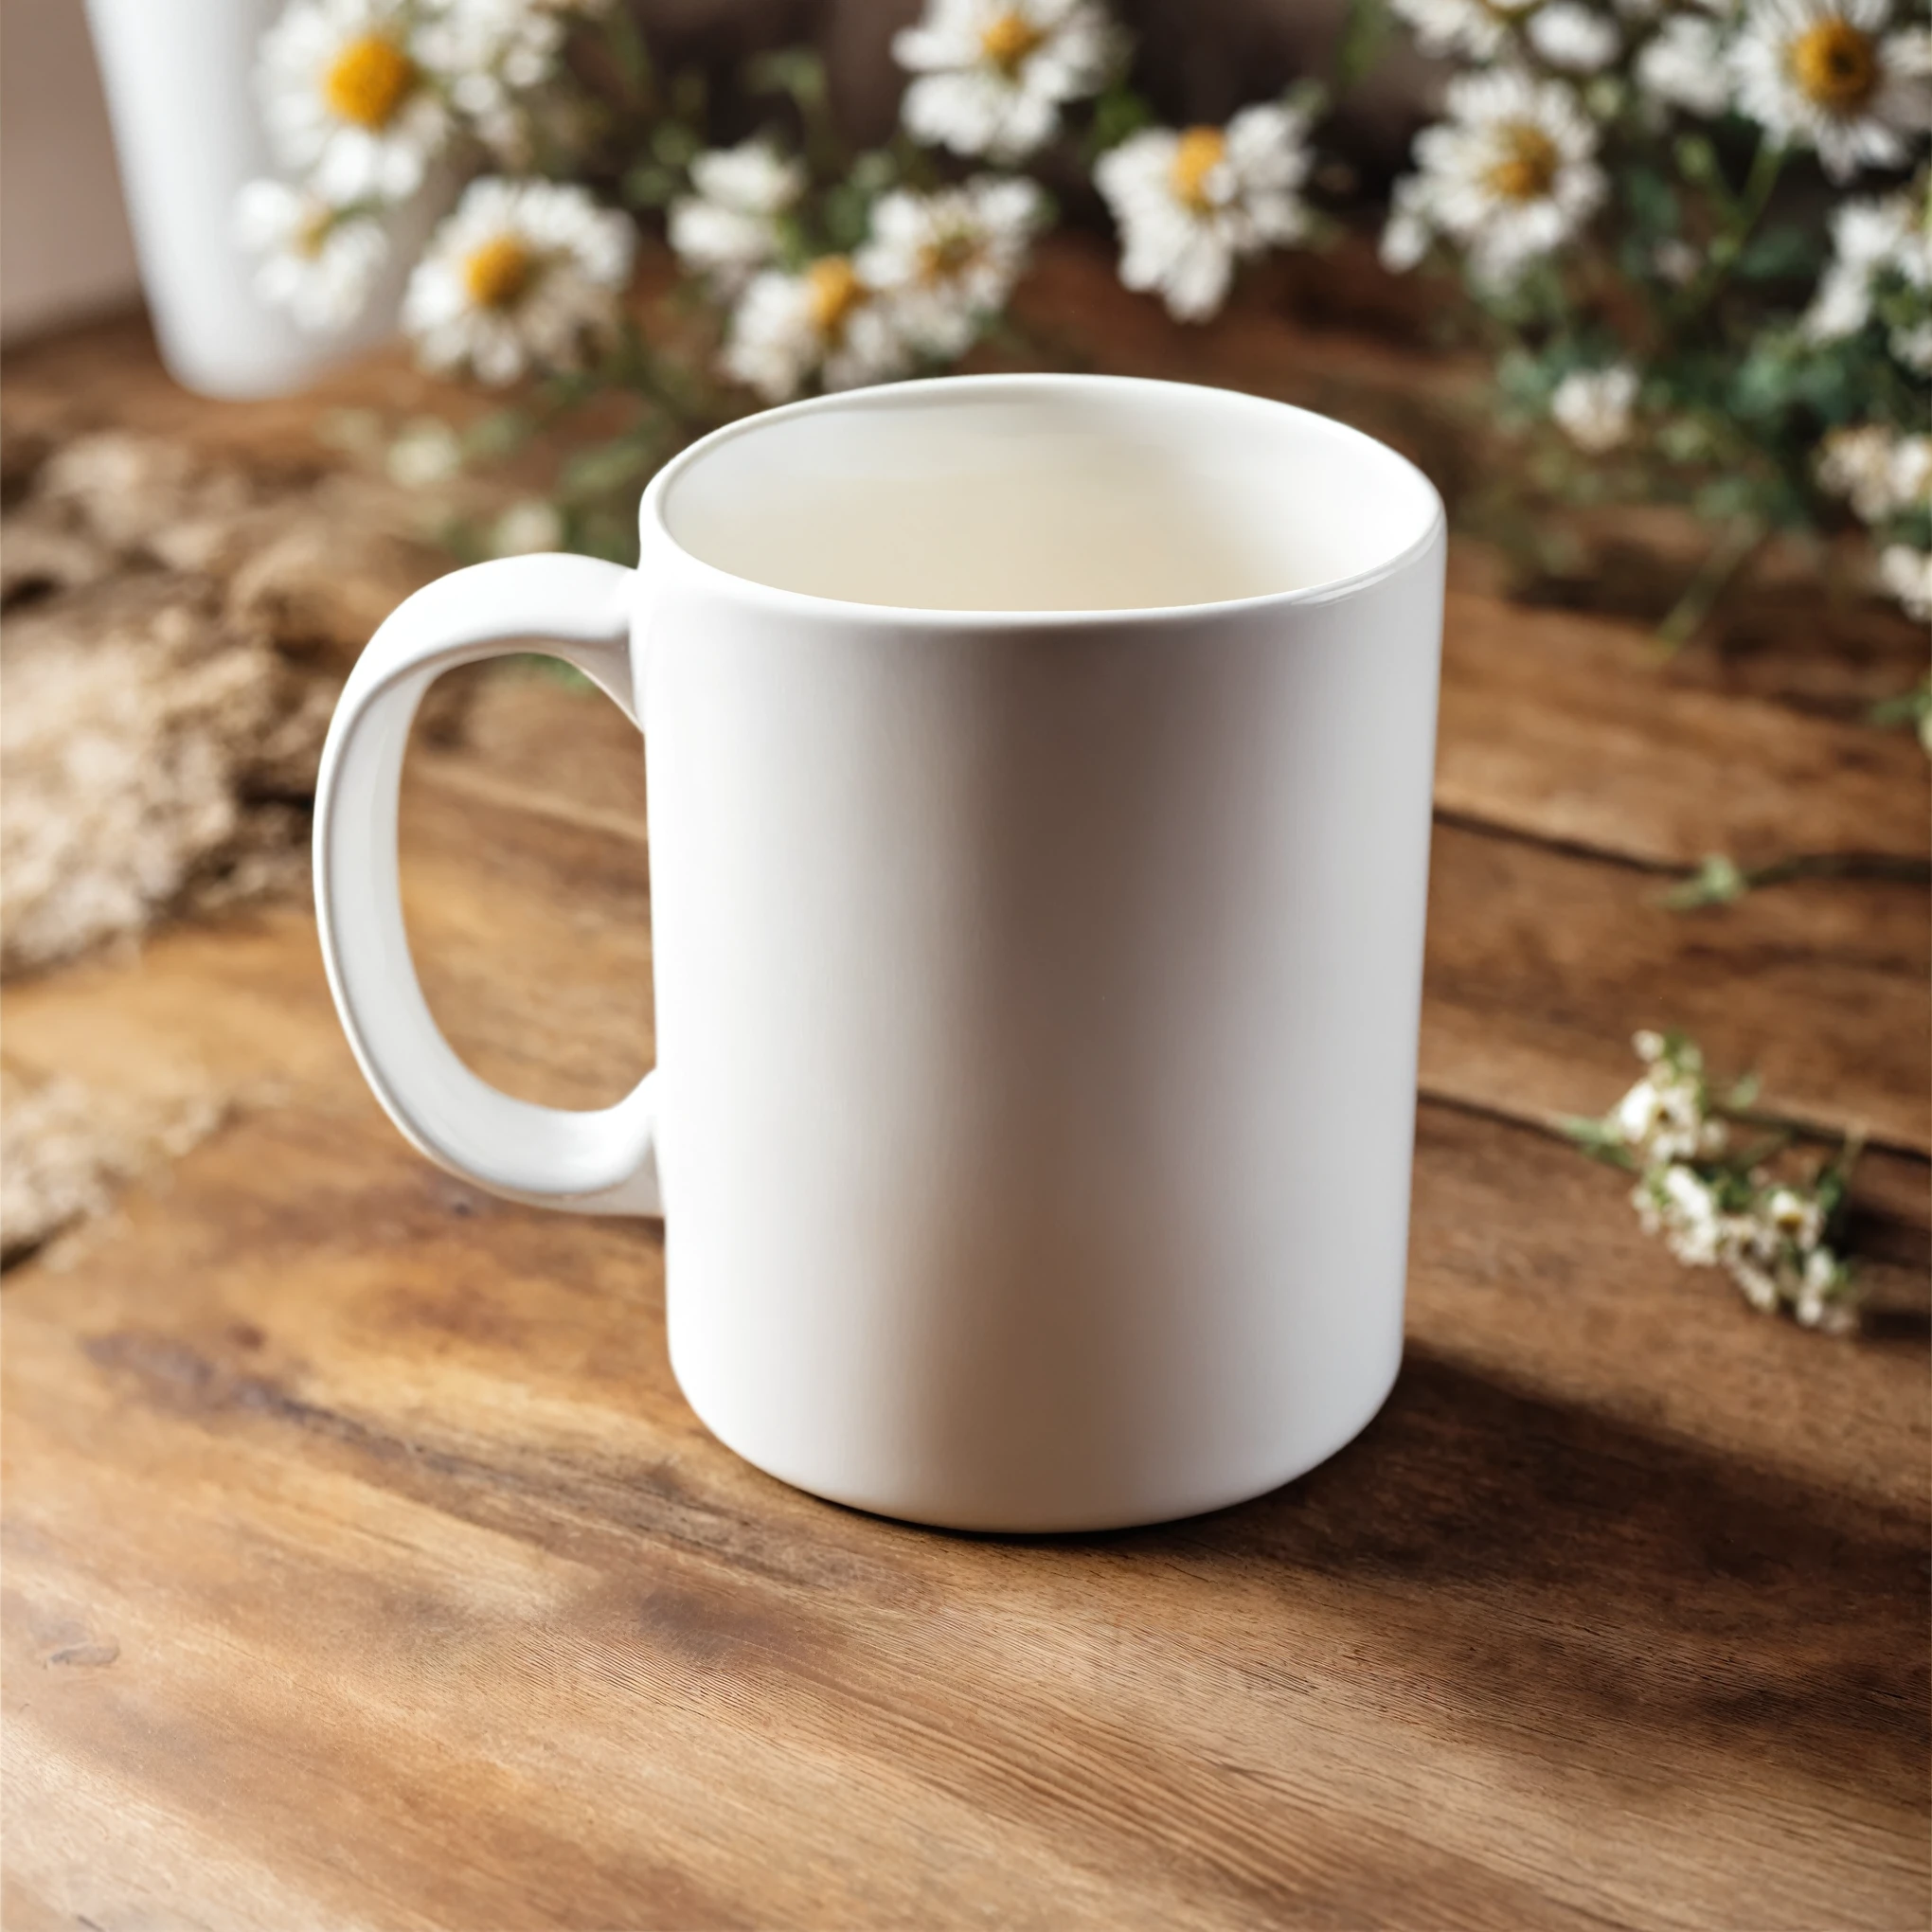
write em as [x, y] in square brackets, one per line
[1024, 493]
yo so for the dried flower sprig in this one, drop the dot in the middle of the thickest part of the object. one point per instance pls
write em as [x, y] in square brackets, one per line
[1712, 1194]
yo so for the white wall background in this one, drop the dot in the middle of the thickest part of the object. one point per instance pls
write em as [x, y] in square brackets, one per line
[64, 249]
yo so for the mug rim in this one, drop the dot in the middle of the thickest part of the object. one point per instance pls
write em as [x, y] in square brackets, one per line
[1330, 590]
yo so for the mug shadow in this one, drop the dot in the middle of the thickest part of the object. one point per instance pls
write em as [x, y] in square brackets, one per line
[1540, 1556]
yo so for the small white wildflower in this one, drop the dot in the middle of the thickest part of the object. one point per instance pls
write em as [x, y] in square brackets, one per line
[1686, 1212]
[1566, 35]
[1791, 1216]
[1676, 261]
[1912, 345]
[728, 229]
[1512, 174]
[347, 97]
[947, 261]
[488, 52]
[1190, 204]
[319, 261]
[1683, 66]
[426, 452]
[1474, 29]
[1408, 233]
[1592, 407]
[993, 74]
[526, 528]
[1857, 464]
[1825, 73]
[823, 321]
[1868, 238]
[1759, 1287]
[521, 276]
[1907, 574]
[1911, 470]
[1659, 1118]
[1821, 1302]
[1647, 1046]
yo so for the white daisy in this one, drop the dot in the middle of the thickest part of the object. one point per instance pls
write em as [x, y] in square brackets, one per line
[1408, 233]
[823, 321]
[1478, 29]
[1869, 238]
[526, 528]
[1677, 1203]
[947, 261]
[994, 74]
[1676, 261]
[1824, 73]
[1511, 176]
[1793, 1217]
[490, 51]
[425, 452]
[1190, 204]
[521, 275]
[1907, 574]
[1573, 38]
[1592, 407]
[1912, 345]
[1879, 472]
[1683, 66]
[345, 97]
[319, 261]
[729, 228]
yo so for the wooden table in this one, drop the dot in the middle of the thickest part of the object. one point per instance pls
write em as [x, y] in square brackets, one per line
[363, 1567]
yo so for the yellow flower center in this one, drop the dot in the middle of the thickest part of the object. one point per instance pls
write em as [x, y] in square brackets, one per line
[1197, 155]
[1008, 39]
[1834, 65]
[836, 291]
[497, 274]
[948, 255]
[1526, 163]
[369, 80]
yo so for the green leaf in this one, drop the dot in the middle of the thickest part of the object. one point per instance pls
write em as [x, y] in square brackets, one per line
[1362, 43]
[650, 185]
[797, 72]
[1718, 881]
[1781, 253]
[674, 144]
[608, 467]
[1600, 1139]
[500, 434]
[1117, 113]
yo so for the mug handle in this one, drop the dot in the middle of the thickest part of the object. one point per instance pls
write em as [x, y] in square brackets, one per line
[598, 1162]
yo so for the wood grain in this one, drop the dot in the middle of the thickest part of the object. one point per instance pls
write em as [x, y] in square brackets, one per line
[361, 1567]
[350, 1515]
[1568, 729]
[381, 1497]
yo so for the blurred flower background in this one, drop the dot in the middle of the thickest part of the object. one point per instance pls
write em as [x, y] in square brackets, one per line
[1689, 236]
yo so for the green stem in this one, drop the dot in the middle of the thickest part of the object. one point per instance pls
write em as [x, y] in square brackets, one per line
[1719, 882]
[1743, 216]
[1715, 576]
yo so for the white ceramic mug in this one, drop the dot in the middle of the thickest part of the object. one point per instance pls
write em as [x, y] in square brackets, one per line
[1039, 793]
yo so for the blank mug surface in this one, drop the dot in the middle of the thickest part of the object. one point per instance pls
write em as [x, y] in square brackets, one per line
[1039, 776]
